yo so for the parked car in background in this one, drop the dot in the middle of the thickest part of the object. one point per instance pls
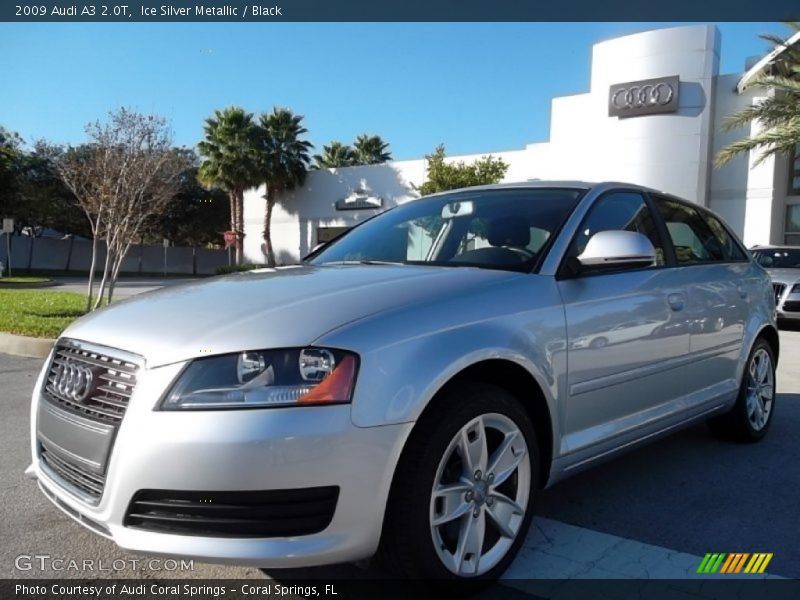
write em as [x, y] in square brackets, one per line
[783, 265]
[410, 388]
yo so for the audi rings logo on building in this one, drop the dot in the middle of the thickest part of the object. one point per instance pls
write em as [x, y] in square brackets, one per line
[639, 96]
[73, 381]
[651, 96]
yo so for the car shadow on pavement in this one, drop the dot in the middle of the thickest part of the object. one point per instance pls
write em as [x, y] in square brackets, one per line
[369, 580]
[688, 492]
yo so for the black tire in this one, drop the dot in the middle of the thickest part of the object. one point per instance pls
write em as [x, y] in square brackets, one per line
[407, 543]
[737, 424]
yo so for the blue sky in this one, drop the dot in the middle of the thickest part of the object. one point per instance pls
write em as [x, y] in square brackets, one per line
[475, 87]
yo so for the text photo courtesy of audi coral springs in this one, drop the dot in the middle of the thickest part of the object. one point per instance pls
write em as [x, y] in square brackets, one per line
[177, 590]
[401, 392]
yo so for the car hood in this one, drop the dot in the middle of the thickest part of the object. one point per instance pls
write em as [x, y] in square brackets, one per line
[268, 308]
[787, 276]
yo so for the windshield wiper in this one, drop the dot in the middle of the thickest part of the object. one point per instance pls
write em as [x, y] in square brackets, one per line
[363, 262]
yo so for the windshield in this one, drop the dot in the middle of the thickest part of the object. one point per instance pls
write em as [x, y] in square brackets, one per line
[778, 258]
[495, 229]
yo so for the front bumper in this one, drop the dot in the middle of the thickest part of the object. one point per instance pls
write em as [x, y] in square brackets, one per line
[789, 307]
[239, 450]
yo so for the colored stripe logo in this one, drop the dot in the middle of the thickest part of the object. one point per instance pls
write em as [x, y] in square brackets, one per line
[736, 562]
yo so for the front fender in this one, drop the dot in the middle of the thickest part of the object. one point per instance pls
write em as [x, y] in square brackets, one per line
[407, 355]
[397, 382]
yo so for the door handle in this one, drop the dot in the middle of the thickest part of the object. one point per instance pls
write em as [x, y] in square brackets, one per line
[742, 292]
[676, 301]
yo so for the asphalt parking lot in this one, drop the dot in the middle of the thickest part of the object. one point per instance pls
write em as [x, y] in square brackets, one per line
[689, 493]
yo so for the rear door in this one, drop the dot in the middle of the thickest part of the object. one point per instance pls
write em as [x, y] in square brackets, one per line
[715, 268]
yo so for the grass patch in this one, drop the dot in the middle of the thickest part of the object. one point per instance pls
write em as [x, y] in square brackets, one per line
[39, 314]
[24, 280]
[51, 273]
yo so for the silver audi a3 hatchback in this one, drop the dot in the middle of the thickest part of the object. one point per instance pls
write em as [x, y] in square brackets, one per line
[410, 388]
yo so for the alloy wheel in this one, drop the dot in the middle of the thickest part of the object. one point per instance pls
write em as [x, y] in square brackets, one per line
[480, 495]
[760, 389]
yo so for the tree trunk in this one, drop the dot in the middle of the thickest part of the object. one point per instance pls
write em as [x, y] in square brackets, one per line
[267, 232]
[233, 199]
[118, 258]
[89, 290]
[240, 225]
[103, 281]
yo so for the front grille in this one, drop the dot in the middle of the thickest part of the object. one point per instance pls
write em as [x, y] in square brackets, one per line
[108, 391]
[778, 288]
[791, 306]
[272, 513]
[73, 474]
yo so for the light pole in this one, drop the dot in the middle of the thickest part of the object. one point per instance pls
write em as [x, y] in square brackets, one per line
[8, 229]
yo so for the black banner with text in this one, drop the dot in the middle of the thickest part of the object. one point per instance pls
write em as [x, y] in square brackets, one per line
[408, 10]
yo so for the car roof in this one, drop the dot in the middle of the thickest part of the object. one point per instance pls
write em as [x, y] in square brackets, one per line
[555, 183]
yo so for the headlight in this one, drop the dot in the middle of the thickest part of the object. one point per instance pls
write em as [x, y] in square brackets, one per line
[265, 378]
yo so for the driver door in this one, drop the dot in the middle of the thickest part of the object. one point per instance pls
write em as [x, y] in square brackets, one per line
[625, 330]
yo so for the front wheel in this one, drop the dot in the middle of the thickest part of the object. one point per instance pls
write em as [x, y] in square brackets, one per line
[751, 416]
[462, 498]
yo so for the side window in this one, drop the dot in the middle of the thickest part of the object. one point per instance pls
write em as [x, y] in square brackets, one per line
[732, 249]
[618, 211]
[691, 235]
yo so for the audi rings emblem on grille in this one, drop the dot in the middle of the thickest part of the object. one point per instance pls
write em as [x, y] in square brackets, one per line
[645, 97]
[73, 381]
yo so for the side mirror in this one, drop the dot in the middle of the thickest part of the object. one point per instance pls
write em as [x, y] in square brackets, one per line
[615, 249]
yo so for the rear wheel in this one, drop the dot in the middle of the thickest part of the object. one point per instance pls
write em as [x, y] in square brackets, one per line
[750, 418]
[599, 342]
[462, 498]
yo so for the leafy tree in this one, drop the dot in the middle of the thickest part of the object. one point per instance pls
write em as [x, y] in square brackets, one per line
[32, 193]
[230, 162]
[778, 113]
[195, 216]
[371, 150]
[284, 159]
[335, 155]
[10, 159]
[45, 200]
[443, 175]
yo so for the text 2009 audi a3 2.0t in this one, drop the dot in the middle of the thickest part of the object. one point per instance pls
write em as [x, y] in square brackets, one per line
[411, 387]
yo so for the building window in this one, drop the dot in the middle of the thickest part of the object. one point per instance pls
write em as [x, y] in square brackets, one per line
[792, 233]
[794, 173]
[327, 234]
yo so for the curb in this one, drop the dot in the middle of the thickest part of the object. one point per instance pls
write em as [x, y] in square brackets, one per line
[22, 345]
[27, 286]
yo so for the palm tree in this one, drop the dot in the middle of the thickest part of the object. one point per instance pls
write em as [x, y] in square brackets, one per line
[230, 162]
[778, 113]
[284, 161]
[335, 155]
[371, 150]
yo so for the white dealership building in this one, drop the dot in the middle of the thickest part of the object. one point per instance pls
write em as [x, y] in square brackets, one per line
[652, 116]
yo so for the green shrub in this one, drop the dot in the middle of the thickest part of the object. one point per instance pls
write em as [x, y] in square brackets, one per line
[237, 268]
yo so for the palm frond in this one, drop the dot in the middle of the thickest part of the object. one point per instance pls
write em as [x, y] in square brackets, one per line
[778, 114]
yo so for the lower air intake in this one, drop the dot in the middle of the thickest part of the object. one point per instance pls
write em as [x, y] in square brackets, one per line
[272, 513]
